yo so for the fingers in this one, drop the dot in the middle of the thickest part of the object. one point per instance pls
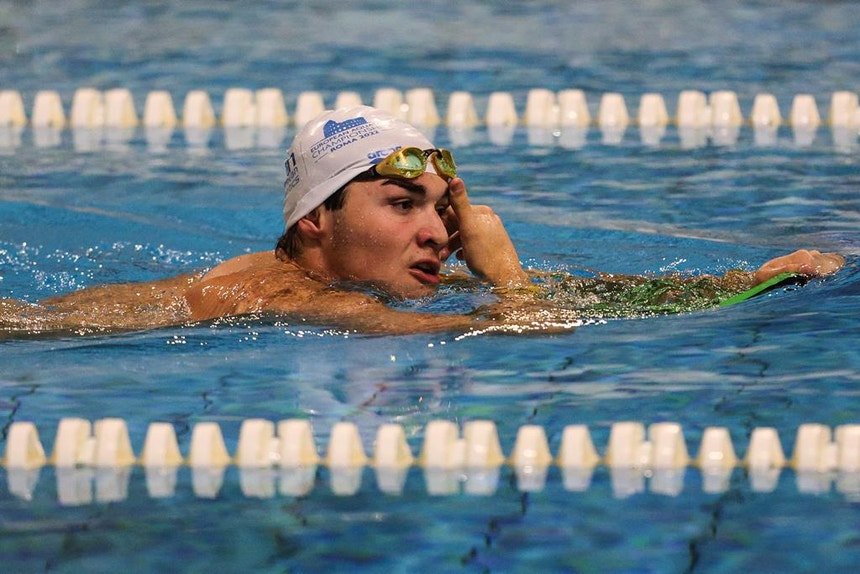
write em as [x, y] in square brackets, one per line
[454, 246]
[827, 263]
[459, 198]
[452, 224]
[808, 262]
[459, 208]
[816, 263]
[469, 217]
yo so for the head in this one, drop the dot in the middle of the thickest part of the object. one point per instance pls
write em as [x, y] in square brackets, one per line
[351, 216]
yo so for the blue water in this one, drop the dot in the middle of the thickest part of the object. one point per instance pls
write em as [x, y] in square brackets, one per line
[71, 218]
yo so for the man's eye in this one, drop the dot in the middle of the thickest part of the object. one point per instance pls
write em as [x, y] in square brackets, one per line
[403, 205]
[441, 210]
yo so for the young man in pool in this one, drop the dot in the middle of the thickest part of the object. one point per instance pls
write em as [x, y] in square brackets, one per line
[370, 204]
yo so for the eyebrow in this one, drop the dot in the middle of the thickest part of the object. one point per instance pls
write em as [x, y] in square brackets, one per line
[416, 188]
[407, 185]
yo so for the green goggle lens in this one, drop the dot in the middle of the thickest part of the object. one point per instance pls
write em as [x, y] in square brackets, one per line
[443, 161]
[411, 162]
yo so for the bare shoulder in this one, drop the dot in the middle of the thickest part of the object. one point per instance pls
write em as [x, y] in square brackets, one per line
[252, 283]
[240, 263]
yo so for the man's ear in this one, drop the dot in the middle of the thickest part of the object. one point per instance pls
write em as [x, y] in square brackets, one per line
[311, 225]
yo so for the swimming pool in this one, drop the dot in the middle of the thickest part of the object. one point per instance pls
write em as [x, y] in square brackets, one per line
[123, 211]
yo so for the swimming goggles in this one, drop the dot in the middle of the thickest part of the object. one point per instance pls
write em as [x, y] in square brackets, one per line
[410, 162]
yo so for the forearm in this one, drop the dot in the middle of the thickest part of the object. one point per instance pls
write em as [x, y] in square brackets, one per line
[736, 280]
[127, 306]
[508, 274]
[613, 295]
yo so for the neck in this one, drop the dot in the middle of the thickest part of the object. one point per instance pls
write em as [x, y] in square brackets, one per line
[310, 261]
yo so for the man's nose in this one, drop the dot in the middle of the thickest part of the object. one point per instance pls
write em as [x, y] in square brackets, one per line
[433, 231]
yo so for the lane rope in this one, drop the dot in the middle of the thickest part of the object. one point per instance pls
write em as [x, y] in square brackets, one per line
[286, 454]
[260, 117]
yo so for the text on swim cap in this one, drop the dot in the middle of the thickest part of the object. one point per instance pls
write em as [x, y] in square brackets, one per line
[339, 135]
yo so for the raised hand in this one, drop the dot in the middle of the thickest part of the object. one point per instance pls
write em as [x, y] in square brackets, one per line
[478, 236]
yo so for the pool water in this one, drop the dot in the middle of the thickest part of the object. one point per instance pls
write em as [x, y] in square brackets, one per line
[72, 218]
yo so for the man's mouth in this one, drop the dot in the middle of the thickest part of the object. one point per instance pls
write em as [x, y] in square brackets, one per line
[426, 271]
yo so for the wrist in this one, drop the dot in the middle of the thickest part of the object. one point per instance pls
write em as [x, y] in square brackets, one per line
[739, 280]
[515, 280]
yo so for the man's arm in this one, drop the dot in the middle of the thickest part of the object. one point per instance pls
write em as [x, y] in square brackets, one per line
[125, 306]
[479, 237]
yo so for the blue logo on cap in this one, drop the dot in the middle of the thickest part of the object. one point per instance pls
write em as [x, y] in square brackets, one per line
[332, 127]
[338, 135]
[377, 156]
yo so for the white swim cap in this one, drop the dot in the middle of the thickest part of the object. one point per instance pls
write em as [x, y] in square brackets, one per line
[335, 147]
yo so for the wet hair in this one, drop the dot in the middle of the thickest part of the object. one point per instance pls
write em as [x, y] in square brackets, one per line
[290, 242]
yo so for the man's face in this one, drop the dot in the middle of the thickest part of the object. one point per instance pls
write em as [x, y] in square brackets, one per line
[390, 232]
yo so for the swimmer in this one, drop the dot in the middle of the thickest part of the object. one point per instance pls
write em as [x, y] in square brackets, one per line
[370, 206]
